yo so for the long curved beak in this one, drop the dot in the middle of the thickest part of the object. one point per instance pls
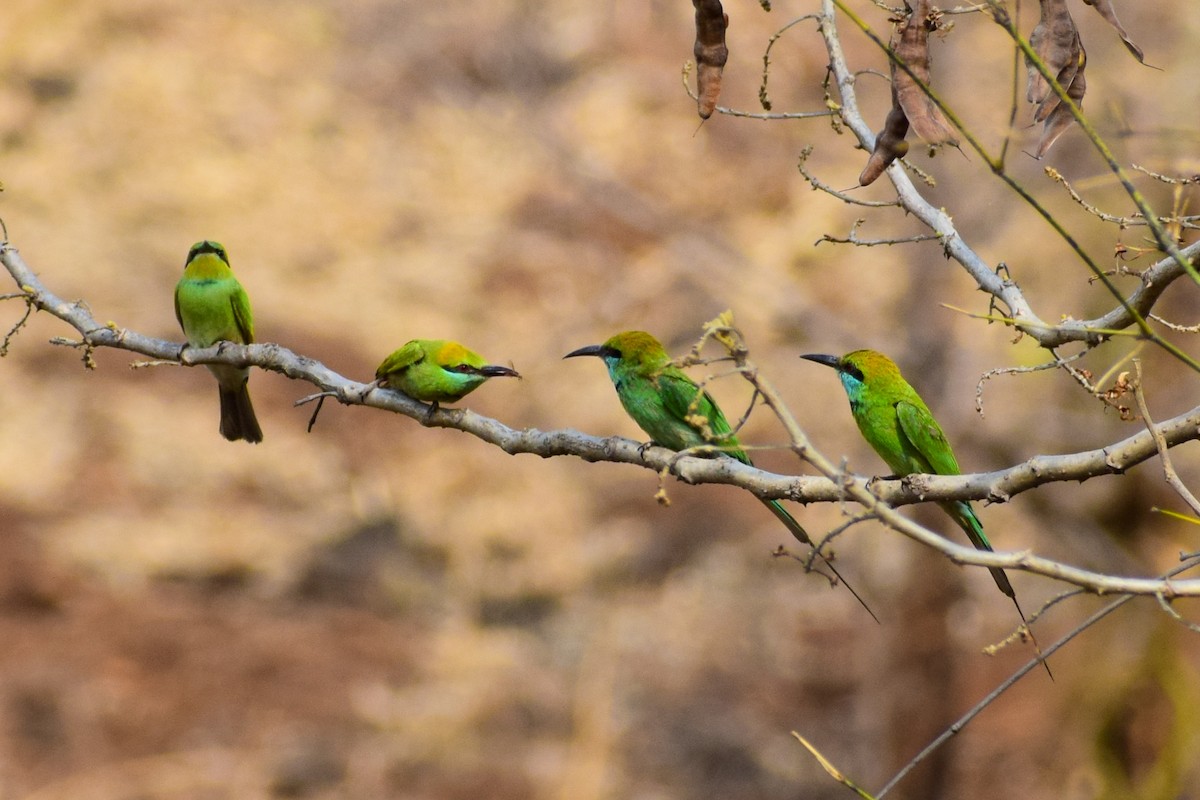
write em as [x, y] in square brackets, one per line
[829, 361]
[497, 371]
[592, 350]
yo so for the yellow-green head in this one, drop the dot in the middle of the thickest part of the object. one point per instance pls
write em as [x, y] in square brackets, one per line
[437, 370]
[634, 351]
[861, 371]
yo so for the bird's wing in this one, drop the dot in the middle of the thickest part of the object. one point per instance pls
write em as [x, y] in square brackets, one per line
[405, 357]
[242, 316]
[926, 436]
[679, 394]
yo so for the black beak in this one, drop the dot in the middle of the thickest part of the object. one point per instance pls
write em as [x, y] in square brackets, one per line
[594, 350]
[829, 361]
[496, 371]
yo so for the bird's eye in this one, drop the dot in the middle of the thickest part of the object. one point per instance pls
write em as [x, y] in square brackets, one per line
[855, 372]
[465, 369]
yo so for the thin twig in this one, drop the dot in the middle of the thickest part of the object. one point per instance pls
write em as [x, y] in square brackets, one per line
[1175, 326]
[816, 183]
[964, 720]
[763, 98]
[1131, 309]
[1160, 442]
[1166, 606]
[991, 373]
[733, 112]
[1165, 242]
[852, 238]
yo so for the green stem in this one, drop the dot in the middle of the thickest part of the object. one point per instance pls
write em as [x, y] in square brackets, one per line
[997, 167]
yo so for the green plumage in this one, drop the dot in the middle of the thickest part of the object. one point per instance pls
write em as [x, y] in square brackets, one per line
[437, 371]
[898, 425]
[212, 307]
[673, 410]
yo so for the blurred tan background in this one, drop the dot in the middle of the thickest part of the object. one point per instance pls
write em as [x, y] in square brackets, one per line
[377, 610]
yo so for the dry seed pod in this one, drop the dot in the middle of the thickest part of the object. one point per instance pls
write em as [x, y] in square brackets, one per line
[910, 43]
[889, 144]
[1110, 16]
[710, 53]
[1056, 41]
[1060, 118]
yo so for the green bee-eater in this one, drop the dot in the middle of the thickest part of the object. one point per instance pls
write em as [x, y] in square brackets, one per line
[895, 421]
[674, 411]
[437, 371]
[212, 307]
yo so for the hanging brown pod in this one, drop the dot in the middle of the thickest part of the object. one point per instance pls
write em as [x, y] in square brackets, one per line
[910, 43]
[889, 144]
[710, 53]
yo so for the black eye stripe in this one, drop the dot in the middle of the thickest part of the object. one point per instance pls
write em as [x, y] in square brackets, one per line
[208, 247]
[854, 372]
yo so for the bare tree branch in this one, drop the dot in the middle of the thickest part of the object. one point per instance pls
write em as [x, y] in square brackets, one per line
[1191, 563]
[876, 497]
[1049, 335]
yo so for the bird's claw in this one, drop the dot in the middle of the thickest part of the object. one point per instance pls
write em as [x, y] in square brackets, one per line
[644, 446]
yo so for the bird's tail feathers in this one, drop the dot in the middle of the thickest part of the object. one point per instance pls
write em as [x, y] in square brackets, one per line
[964, 515]
[237, 415]
[1036, 647]
[787, 519]
[802, 535]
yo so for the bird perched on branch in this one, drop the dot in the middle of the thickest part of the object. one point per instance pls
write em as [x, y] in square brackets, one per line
[212, 307]
[437, 371]
[675, 412]
[898, 425]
